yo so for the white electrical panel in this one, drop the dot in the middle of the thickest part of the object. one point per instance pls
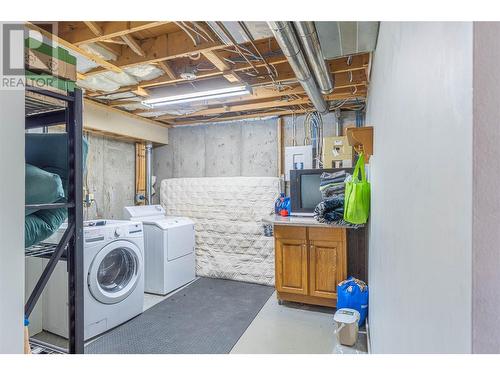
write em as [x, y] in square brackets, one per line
[298, 157]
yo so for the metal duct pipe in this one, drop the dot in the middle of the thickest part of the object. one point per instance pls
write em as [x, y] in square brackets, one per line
[149, 172]
[310, 42]
[287, 40]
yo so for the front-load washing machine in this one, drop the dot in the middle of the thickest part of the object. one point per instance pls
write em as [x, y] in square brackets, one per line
[114, 279]
[168, 248]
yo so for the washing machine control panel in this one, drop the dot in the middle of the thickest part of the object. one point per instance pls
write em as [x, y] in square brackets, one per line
[109, 232]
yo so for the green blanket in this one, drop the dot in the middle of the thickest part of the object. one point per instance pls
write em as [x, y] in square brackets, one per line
[49, 153]
[41, 187]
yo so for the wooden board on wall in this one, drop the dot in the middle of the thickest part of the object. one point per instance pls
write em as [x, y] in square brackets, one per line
[140, 171]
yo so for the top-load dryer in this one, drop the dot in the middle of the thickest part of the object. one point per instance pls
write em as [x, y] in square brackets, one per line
[168, 248]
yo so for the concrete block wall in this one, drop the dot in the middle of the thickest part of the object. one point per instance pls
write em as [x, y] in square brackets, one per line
[225, 149]
[110, 177]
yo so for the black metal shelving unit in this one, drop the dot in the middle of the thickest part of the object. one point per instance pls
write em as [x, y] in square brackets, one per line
[45, 108]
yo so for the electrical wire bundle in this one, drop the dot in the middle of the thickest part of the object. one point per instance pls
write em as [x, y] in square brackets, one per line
[313, 134]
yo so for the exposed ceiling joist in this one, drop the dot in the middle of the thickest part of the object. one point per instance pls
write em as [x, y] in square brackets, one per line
[239, 108]
[96, 59]
[222, 66]
[232, 76]
[110, 30]
[356, 64]
[160, 48]
[133, 45]
[260, 64]
[94, 27]
[165, 66]
[139, 91]
[216, 60]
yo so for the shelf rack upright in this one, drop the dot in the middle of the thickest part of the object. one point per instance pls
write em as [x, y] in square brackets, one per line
[46, 108]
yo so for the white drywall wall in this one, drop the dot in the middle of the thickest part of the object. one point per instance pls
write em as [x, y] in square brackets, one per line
[486, 208]
[11, 212]
[420, 103]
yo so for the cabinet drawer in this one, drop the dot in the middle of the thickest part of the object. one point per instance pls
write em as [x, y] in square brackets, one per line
[290, 232]
[327, 234]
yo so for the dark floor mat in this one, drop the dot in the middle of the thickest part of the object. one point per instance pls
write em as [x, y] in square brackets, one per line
[208, 316]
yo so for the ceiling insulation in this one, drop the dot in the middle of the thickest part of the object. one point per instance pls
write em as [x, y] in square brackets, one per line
[144, 72]
[99, 51]
[110, 81]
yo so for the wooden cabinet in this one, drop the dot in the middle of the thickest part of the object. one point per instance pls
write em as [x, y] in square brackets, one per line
[309, 263]
[291, 270]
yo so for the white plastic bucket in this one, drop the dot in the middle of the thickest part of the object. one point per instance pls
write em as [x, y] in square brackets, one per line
[346, 321]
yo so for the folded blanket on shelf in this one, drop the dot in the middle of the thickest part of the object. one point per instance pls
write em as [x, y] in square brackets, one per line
[42, 224]
[48, 152]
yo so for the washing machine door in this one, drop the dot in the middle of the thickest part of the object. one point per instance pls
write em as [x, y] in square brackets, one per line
[115, 271]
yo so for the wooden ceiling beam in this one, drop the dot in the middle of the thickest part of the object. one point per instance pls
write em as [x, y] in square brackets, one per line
[96, 59]
[129, 114]
[160, 48]
[165, 66]
[222, 66]
[349, 63]
[133, 45]
[94, 27]
[109, 30]
[216, 60]
[140, 92]
[239, 108]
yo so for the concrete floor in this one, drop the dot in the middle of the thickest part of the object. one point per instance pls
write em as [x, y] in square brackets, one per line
[293, 328]
[290, 328]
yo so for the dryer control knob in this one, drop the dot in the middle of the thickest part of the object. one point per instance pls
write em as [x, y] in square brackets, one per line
[119, 232]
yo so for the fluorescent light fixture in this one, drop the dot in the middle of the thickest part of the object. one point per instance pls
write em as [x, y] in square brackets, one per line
[199, 96]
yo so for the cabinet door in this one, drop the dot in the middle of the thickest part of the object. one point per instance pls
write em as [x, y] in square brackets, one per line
[291, 266]
[327, 267]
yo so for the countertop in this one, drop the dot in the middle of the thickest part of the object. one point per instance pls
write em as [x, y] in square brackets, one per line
[300, 221]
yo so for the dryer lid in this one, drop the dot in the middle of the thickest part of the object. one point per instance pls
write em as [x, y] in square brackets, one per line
[168, 222]
[143, 212]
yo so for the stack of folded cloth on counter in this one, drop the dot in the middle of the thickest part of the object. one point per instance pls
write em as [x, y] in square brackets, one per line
[332, 183]
[331, 209]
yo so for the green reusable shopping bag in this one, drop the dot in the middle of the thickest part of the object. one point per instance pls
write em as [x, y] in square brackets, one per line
[357, 195]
